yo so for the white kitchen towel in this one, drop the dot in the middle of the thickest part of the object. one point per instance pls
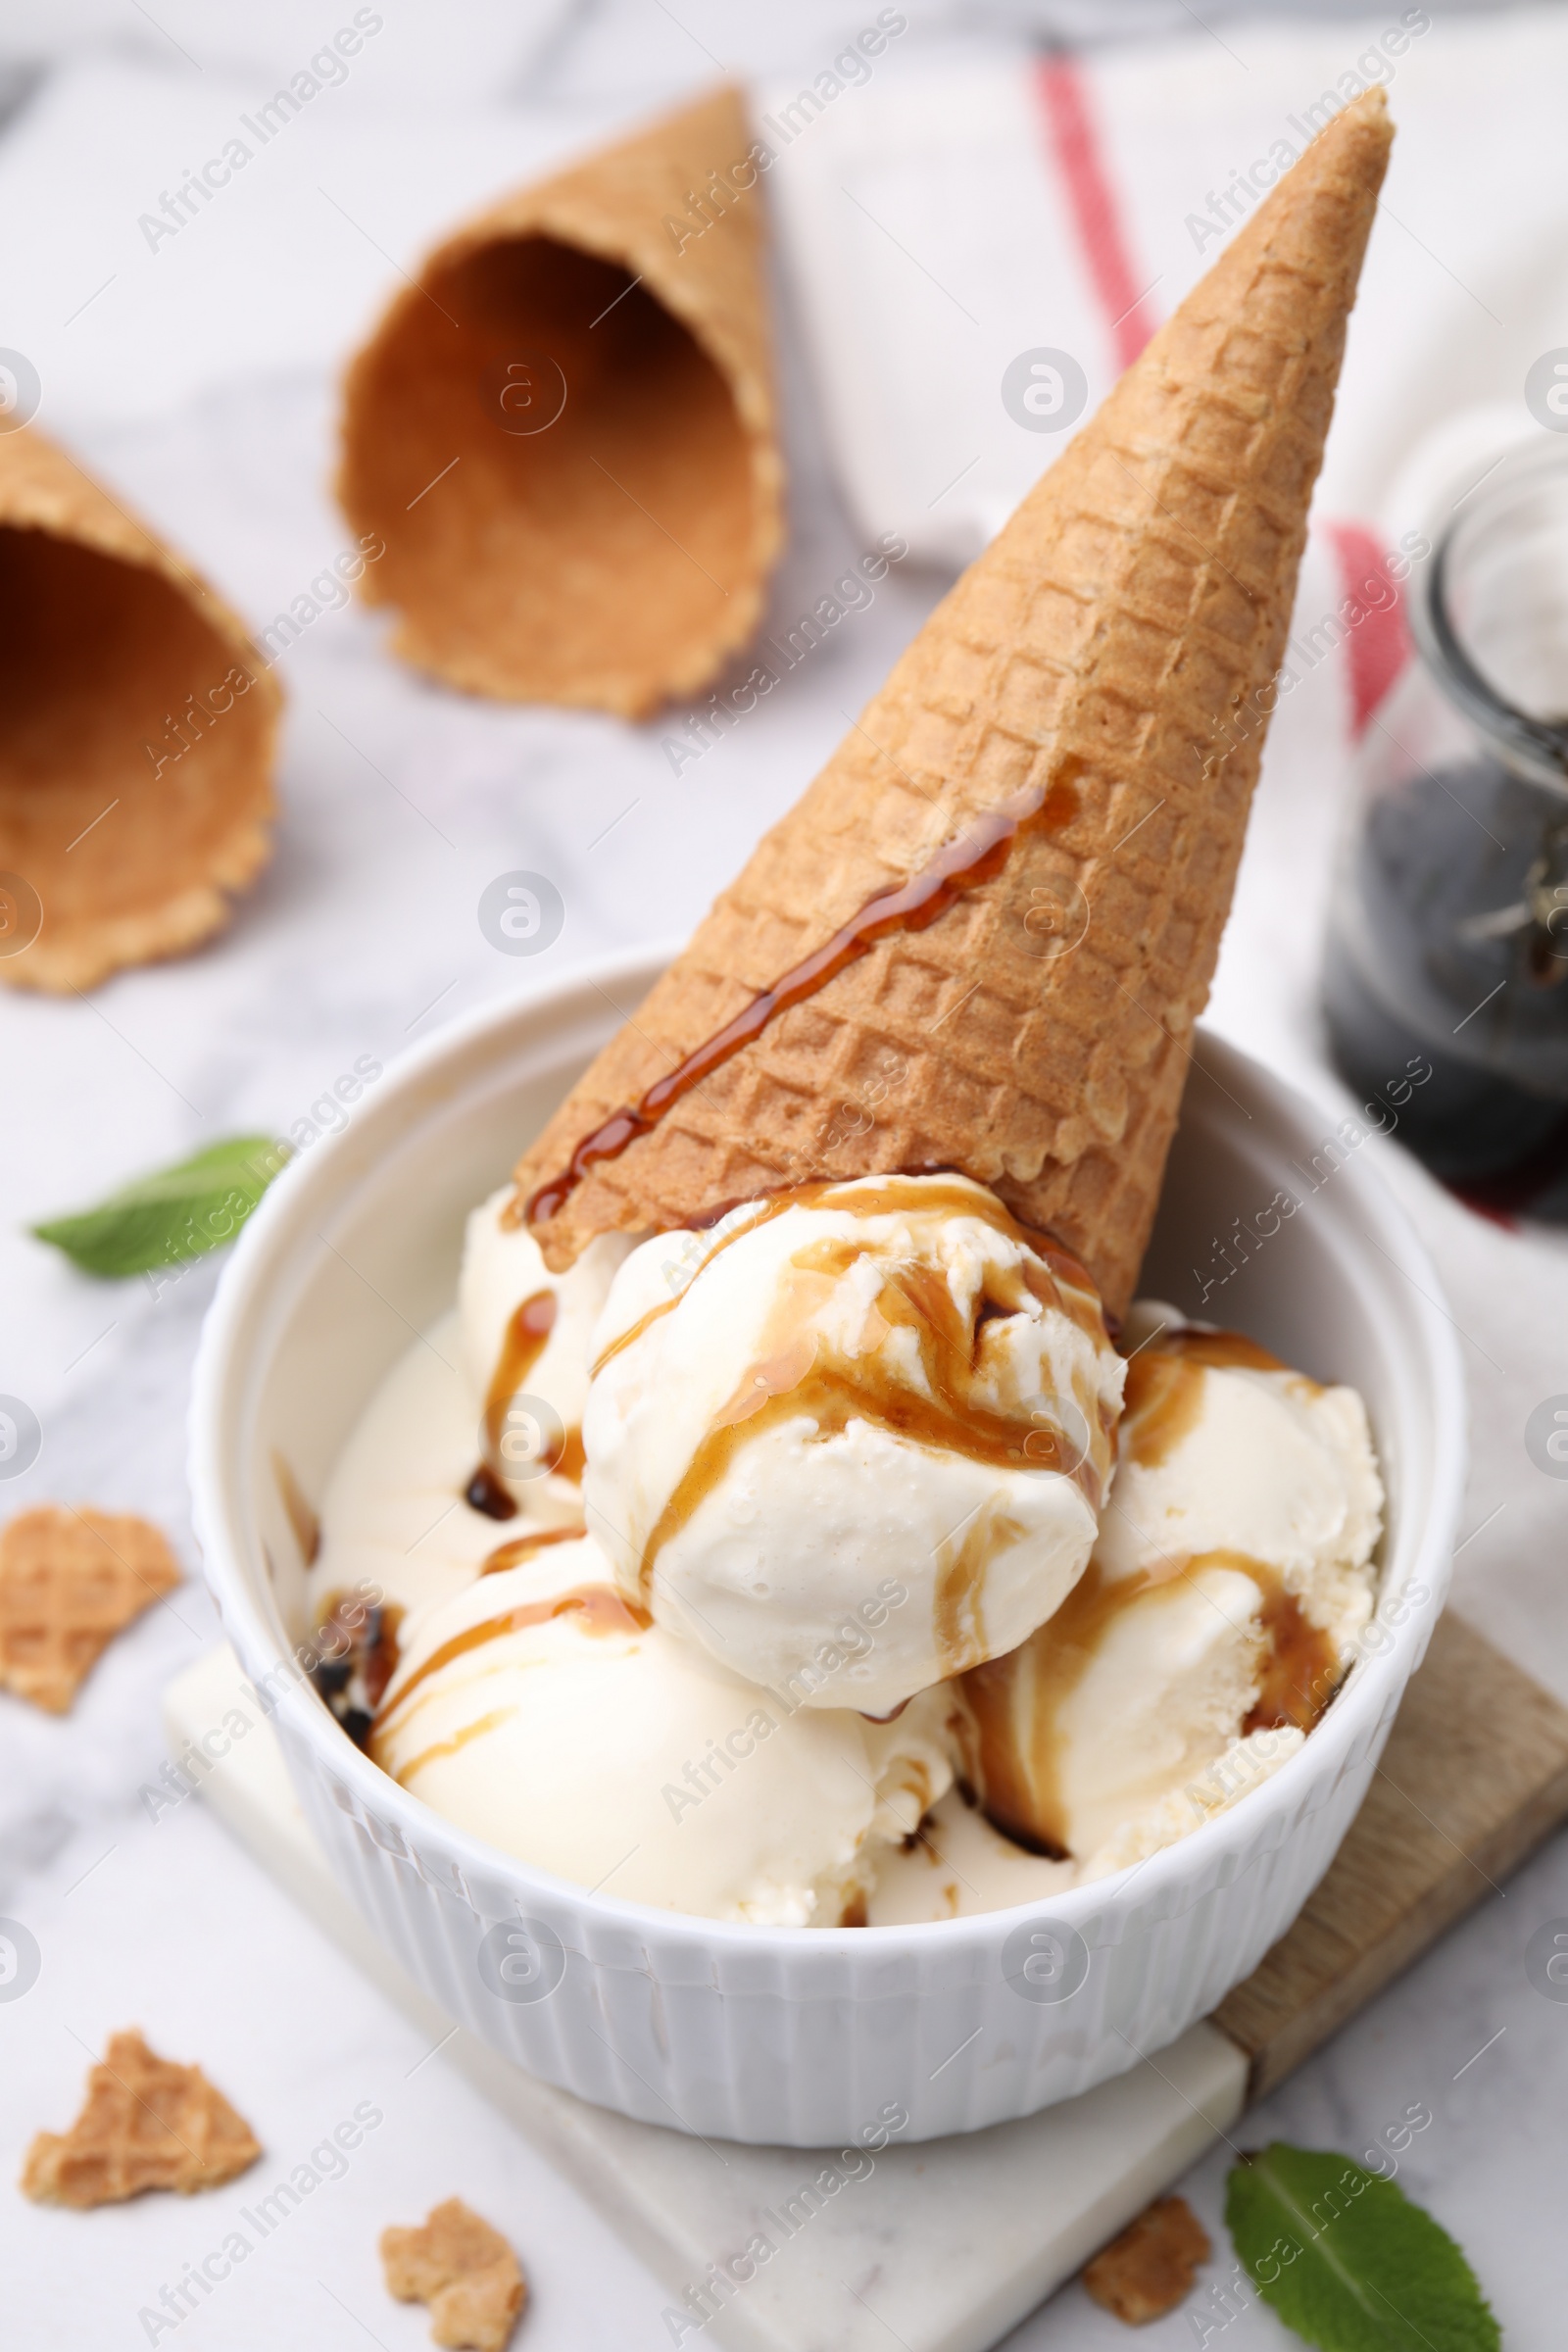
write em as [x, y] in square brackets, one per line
[963, 209]
[944, 210]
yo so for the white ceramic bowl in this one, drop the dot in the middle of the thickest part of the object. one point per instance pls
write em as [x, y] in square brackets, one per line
[800, 2035]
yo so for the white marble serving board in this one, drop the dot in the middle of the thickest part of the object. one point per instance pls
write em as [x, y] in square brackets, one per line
[943, 2247]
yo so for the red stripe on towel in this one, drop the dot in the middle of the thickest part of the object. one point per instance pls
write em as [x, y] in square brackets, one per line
[1377, 644]
[1075, 145]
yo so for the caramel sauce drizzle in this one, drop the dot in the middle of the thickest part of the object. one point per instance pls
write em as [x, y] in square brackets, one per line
[523, 1547]
[975, 856]
[527, 1330]
[454, 1747]
[1301, 1670]
[958, 1615]
[1161, 1404]
[304, 1521]
[601, 1609]
[1015, 1702]
[526, 1333]
[1226, 1350]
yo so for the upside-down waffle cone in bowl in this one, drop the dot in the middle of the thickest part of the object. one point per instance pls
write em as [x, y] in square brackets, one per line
[566, 430]
[1043, 779]
[137, 728]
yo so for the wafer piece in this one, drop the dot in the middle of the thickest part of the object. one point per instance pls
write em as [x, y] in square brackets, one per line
[147, 2124]
[464, 2270]
[565, 431]
[137, 733]
[71, 1581]
[1151, 2267]
[1056, 777]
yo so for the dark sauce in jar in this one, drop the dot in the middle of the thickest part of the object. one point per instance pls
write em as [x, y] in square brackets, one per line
[1453, 965]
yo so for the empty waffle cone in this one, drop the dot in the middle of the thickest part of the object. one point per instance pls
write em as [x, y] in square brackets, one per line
[564, 432]
[137, 724]
[1050, 793]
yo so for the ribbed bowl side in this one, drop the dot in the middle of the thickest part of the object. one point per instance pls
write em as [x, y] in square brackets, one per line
[785, 2041]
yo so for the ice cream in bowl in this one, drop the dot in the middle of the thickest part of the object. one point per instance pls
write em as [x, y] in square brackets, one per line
[788, 1595]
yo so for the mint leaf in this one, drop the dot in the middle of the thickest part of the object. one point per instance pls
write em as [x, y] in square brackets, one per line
[1347, 2261]
[173, 1215]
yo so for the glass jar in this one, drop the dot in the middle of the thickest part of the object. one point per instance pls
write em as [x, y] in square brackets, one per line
[1445, 975]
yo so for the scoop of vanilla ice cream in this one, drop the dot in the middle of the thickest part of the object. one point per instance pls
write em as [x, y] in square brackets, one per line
[853, 1439]
[525, 1342]
[541, 1711]
[1232, 1574]
[1223, 1449]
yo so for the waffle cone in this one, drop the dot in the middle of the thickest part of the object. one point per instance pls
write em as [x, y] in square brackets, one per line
[597, 526]
[1095, 672]
[136, 743]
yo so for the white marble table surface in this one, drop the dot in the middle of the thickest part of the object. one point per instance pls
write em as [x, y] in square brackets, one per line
[400, 803]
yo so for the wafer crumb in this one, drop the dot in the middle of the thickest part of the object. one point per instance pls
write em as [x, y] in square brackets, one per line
[1151, 2267]
[465, 2271]
[69, 1582]
[147, 2124]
